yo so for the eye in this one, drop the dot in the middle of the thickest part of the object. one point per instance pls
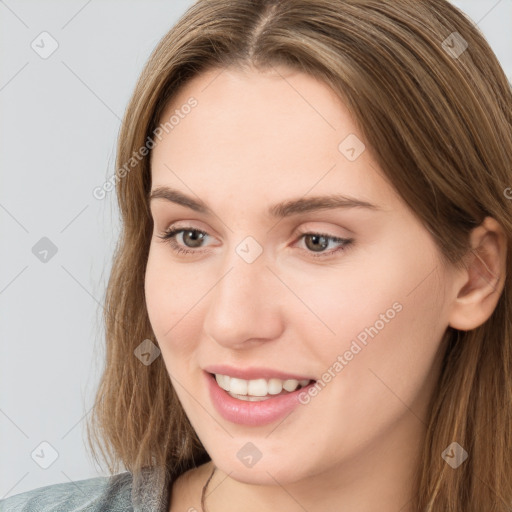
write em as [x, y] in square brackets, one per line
[321, 240]
[169, 237]
[194, 237]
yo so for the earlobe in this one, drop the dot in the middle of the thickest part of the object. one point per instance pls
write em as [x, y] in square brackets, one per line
[483, 278]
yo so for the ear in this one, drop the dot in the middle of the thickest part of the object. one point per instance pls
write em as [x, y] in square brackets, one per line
[483, 278]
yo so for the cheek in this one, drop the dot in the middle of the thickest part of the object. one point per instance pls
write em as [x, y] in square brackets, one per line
[385, 319]
[157, 289]
[389, 355]
[337, 304]
[172, 298]
[384, 380]
[162, 287]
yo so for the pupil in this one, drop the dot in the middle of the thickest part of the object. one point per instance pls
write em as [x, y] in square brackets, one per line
[317, 238]
[194, 238]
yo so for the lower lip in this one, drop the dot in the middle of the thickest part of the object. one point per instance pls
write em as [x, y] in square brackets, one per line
[253, 414]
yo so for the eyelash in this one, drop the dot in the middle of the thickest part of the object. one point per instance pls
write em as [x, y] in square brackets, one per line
[169, 237]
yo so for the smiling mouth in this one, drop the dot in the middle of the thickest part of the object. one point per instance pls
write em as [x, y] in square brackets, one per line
[258, 389]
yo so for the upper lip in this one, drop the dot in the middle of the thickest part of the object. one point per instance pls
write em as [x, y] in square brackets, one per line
[254, 372]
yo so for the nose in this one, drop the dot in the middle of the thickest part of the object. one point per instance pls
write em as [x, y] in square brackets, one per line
[245, 305]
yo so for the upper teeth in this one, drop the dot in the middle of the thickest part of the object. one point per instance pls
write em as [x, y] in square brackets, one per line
[257, 387]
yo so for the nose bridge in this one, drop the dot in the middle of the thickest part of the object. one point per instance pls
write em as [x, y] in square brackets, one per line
[245, 267]
[241, 305]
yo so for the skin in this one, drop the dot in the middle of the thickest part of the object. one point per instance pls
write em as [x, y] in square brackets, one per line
[256, 138]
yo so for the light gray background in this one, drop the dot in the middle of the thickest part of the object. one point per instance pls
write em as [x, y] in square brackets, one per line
[60, 117]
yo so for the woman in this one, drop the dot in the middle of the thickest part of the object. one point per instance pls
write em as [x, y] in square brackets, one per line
[309, 307]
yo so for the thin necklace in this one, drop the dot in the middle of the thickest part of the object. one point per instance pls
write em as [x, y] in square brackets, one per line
[204, 490]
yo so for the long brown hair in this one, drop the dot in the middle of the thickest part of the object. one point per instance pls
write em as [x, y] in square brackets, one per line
[438, 118]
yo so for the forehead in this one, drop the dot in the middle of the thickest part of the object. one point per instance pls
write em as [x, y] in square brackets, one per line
[271, 134]
[259, 104]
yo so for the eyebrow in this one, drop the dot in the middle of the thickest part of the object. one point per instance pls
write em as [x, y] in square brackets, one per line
[279, 210]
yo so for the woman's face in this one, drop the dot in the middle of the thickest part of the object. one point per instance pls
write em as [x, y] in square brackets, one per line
[363, 318]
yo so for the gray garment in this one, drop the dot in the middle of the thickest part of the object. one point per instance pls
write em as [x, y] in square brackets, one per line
[148, 491]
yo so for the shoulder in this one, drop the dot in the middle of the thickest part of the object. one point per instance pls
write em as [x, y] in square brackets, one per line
[97, 494]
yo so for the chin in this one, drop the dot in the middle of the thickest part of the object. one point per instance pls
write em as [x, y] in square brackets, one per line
[263, 472]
